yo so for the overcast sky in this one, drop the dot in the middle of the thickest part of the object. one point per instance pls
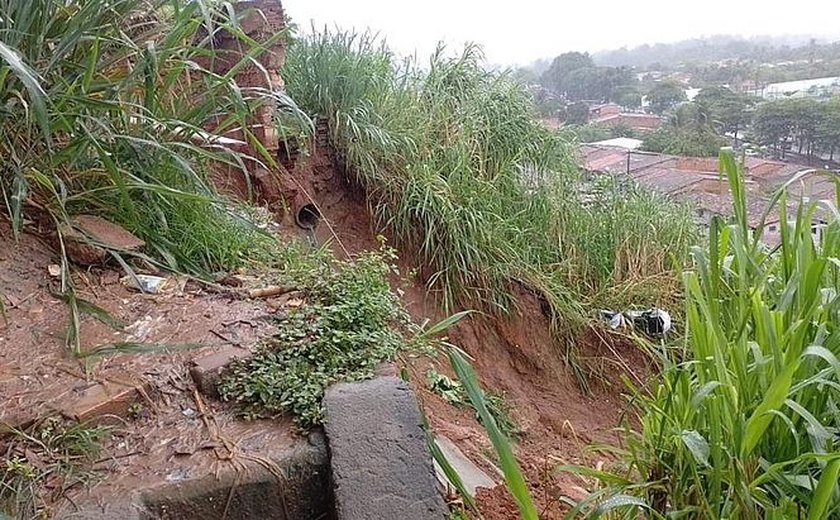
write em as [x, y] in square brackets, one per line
[520, 31]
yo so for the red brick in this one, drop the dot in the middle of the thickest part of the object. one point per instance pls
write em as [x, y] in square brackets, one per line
[102, 399]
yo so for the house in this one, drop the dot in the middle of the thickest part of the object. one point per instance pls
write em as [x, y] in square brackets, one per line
[606, 110]
[696, 180]
[611, 114]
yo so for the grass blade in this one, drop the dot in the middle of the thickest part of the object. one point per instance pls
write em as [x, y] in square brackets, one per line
[510, 468]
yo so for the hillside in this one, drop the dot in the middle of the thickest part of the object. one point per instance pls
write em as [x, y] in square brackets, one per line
[290, 213]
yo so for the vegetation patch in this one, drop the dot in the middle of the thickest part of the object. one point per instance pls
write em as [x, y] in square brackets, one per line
[349, 323]
[104, 111]
[457, 167]
[745, 421]
[38, 465]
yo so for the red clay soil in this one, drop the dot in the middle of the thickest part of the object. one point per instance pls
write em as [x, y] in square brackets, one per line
[514, 355]
[165, 438]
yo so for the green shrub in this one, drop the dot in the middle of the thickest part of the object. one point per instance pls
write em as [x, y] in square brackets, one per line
[350, 322]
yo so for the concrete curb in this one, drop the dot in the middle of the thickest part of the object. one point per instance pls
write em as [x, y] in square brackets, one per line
[381, 465]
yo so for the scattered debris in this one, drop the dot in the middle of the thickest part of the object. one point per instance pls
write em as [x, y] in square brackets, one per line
[653, 322]
[54, 270]
[146, 283]
[181, 473]
[294, 302]
[141, 329]
[268, 292]
[229, 280]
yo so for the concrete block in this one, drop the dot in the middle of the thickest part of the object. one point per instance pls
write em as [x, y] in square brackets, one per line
[207, 370]
[471, 475]
[288, 484]
[381, 465]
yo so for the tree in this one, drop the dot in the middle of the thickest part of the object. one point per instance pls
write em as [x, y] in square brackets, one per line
[590, 133]
[665, 95]
[774, 123]
[547, 104]
[806, 115]
[577, 113]
[828, 131]
[730, 111]
[557, 76]
[688, 130]
[628, 96]
[576, 77]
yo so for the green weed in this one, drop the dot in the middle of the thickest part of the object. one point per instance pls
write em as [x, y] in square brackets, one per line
[510, 468]
[453, 392]
[744, 423]
[350, 323]
[456, 166]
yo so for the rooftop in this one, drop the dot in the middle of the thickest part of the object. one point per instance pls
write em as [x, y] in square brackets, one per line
[696, 178]
[626, 143]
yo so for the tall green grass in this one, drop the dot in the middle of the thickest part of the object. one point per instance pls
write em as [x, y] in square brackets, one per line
[103, 107]
[456, 166]
[746, 423]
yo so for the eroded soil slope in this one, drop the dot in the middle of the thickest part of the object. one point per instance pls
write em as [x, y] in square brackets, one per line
[514, 355]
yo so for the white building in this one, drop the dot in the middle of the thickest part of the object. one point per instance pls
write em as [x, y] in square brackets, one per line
[802, 88]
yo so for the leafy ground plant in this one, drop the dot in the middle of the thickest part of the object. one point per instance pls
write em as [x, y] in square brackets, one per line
[350, 322]
[39, 464]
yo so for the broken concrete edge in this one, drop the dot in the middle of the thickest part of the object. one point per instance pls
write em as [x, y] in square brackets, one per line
[381, 466]
[207, 371]
[292, 483]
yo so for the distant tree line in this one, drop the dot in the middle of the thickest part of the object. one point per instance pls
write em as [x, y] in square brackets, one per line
[667, 56]
[807, 126]
[573, 81]
[573, 76]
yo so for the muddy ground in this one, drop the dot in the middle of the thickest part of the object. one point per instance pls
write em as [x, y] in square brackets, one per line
[165, 439]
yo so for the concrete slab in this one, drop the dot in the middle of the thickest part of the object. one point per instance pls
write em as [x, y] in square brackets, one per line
[381, 466]
[291, 484]
[471, 475]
